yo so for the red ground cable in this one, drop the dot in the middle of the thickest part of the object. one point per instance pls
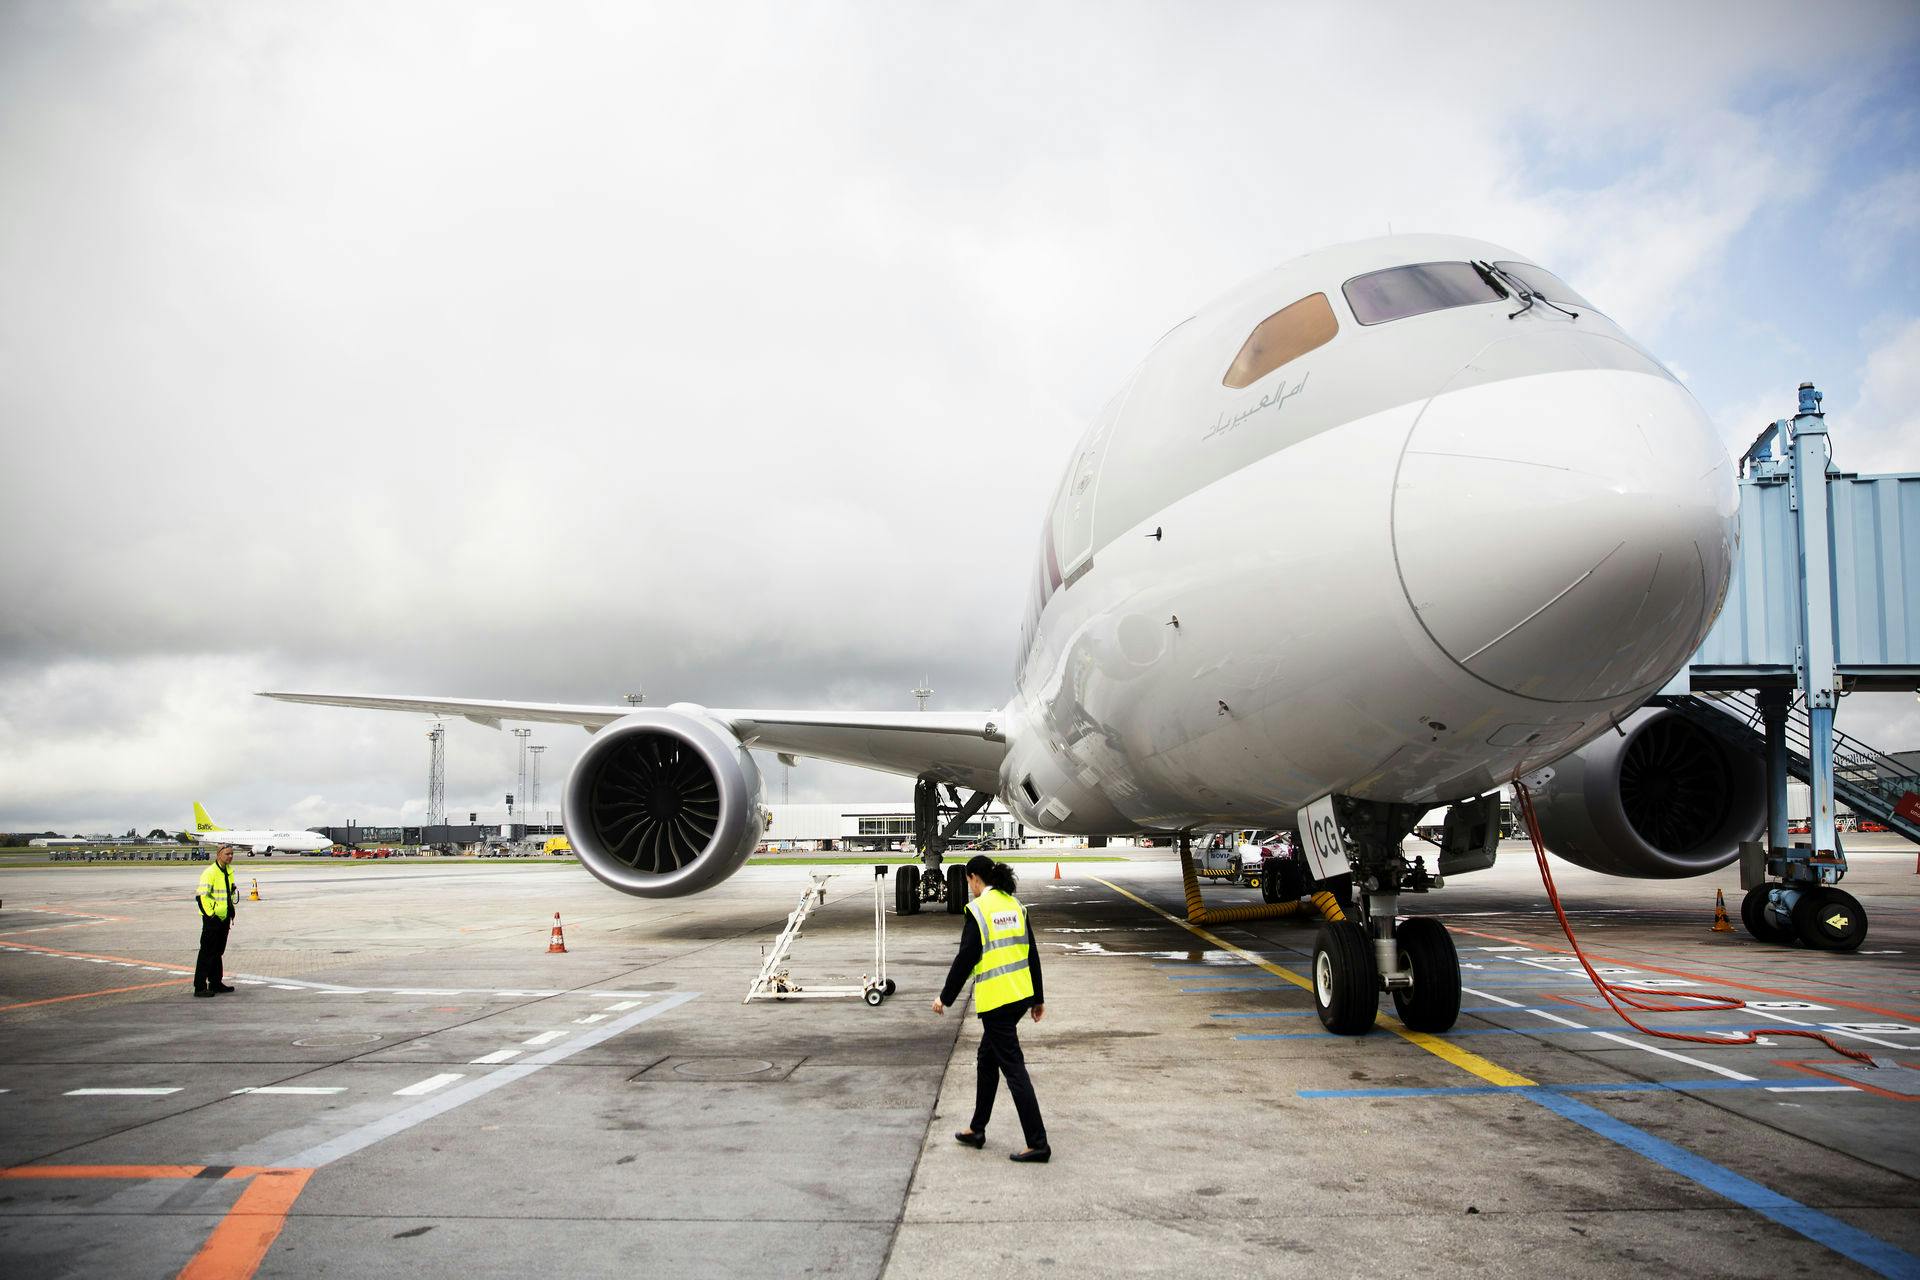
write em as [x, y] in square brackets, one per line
[1609, 991]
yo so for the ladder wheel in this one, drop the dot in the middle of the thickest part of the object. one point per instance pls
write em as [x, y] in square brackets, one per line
[874, 996]
[889, 987]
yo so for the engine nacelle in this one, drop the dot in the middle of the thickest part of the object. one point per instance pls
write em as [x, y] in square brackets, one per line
[1660, 800]
[664, 802]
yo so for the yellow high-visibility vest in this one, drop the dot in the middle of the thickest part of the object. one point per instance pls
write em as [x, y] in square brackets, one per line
[1001, 975]
[216, 893]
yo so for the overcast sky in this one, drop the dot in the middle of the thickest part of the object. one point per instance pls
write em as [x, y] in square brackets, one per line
[729, 351]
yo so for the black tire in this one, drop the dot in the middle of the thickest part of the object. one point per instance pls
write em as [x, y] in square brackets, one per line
[888, 985]
[1753, 914]
[906, 891]
[1433, 1005]
[874, 996]
[956, 888]
[1346, 987]
[1270, 882]
[1830, 919]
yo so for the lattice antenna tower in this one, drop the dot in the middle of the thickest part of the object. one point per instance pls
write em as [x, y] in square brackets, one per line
[923, 693]
[437, 777]
[533, 779]
[521, 789]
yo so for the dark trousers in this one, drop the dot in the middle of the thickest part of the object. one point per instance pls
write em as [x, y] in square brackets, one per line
[213, 945]
[1000, 1056]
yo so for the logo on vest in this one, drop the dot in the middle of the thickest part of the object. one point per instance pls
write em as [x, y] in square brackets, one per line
[1005, 920]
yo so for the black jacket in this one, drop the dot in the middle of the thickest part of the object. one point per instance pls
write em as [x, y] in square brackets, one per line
[970, 956]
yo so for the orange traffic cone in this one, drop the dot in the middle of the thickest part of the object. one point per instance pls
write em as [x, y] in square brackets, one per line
[558, 943]
[1720, 922]
[255, 895]
[1056, 871]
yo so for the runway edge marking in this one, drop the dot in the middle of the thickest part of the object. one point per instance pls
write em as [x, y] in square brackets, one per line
[1471, 1063]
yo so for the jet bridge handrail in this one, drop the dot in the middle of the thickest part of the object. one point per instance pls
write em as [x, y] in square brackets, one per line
[1859, 763]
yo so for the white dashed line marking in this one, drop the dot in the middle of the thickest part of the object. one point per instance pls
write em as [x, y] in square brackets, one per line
[590, 1019]
[429, 1084]
[1810, 1088]
[545, 1037]
[118, 1093]
[623, 1006]
[498, 1055]
[281, 987]
[300, 1089]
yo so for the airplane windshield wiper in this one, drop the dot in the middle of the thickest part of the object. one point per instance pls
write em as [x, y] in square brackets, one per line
[1524, 291]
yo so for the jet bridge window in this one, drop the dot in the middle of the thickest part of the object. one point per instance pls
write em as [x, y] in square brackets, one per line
[1545, 283]
[1399, 292]
[1285, 335]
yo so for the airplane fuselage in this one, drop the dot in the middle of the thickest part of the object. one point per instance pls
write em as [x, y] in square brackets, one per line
[1421, 556]
[266, 841]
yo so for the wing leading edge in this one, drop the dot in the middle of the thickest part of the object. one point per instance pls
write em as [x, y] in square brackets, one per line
[961, 747]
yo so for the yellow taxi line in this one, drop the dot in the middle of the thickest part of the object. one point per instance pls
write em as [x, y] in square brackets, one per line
[1439, 1047]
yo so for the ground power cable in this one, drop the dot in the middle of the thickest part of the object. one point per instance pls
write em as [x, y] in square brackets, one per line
[1617, 995]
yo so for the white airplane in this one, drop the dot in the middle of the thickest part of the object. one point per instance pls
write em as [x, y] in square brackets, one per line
[1386, 527]
[263, 842]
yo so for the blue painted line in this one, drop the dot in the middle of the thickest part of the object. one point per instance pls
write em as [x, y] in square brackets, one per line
[1623, 1086]
[1308, 1013]
[1823, 1229]
[1514, 1031]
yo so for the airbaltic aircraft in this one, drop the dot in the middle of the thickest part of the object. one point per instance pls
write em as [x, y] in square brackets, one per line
[1386, 527]
[264, 842]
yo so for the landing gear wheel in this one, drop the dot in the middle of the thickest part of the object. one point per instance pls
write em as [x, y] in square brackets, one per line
[1830, 919]
[1753, 914]
[906, 891]
[1433, 1004]
[874, 996]
[1346, 986]
[888, 986]
[956, 888]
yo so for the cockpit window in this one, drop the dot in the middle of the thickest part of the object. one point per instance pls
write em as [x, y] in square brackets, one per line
[1285, 335]
[1399, 292]
[1544, 282]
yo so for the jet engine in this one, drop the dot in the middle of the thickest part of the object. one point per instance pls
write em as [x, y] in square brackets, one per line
[664, 803]
[1659, 800]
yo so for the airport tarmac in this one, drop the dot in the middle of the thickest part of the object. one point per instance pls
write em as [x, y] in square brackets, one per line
[407, 1079]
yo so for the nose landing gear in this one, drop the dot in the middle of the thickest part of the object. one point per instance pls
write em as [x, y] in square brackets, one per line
[1353, 963]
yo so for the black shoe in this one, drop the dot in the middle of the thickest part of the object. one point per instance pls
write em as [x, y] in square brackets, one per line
[974, 1140]
[202, 991]
[1033, 1155]
[223, 989]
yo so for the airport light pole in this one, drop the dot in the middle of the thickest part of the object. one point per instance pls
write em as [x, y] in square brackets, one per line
[532, 799]
[437, 777]
[521, 790]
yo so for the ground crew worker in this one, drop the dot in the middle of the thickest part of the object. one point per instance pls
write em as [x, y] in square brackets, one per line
[997, 950]
[217, 905]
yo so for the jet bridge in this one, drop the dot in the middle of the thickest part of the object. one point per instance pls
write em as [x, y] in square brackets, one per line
[1822, 604]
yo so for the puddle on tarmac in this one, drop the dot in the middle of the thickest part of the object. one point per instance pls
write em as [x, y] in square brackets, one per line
[1222, 958]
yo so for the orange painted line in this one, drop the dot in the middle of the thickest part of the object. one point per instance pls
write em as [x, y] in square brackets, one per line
[1812, 1070]
[104, 1171]
[239, 1244]
[88, 995]
[1683, 973]
[90, 955]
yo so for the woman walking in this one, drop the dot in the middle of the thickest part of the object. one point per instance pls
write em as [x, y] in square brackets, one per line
[998, 952]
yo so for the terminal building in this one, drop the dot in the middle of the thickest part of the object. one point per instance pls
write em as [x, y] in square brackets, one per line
[816, 827]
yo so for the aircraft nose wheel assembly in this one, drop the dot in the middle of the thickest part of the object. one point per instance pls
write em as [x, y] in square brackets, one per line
[774, 982]
[1353, 962]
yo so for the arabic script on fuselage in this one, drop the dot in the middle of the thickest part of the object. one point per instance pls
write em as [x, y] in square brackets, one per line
[1275, 399]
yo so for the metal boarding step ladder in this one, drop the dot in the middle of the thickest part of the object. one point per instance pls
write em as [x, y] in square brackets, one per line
[1871, 783]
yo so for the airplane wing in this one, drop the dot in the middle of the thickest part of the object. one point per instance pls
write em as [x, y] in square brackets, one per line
[961, 747]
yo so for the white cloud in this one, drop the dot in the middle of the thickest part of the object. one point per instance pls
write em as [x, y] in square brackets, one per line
[729, 351]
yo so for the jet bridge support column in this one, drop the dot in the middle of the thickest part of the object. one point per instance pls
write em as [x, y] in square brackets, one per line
[1773, 715]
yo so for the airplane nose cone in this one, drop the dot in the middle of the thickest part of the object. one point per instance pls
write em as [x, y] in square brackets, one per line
[1565, 536]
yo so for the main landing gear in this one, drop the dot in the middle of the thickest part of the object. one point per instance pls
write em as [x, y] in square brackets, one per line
[1823, 917]
[934, 882]
[1354, 960]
